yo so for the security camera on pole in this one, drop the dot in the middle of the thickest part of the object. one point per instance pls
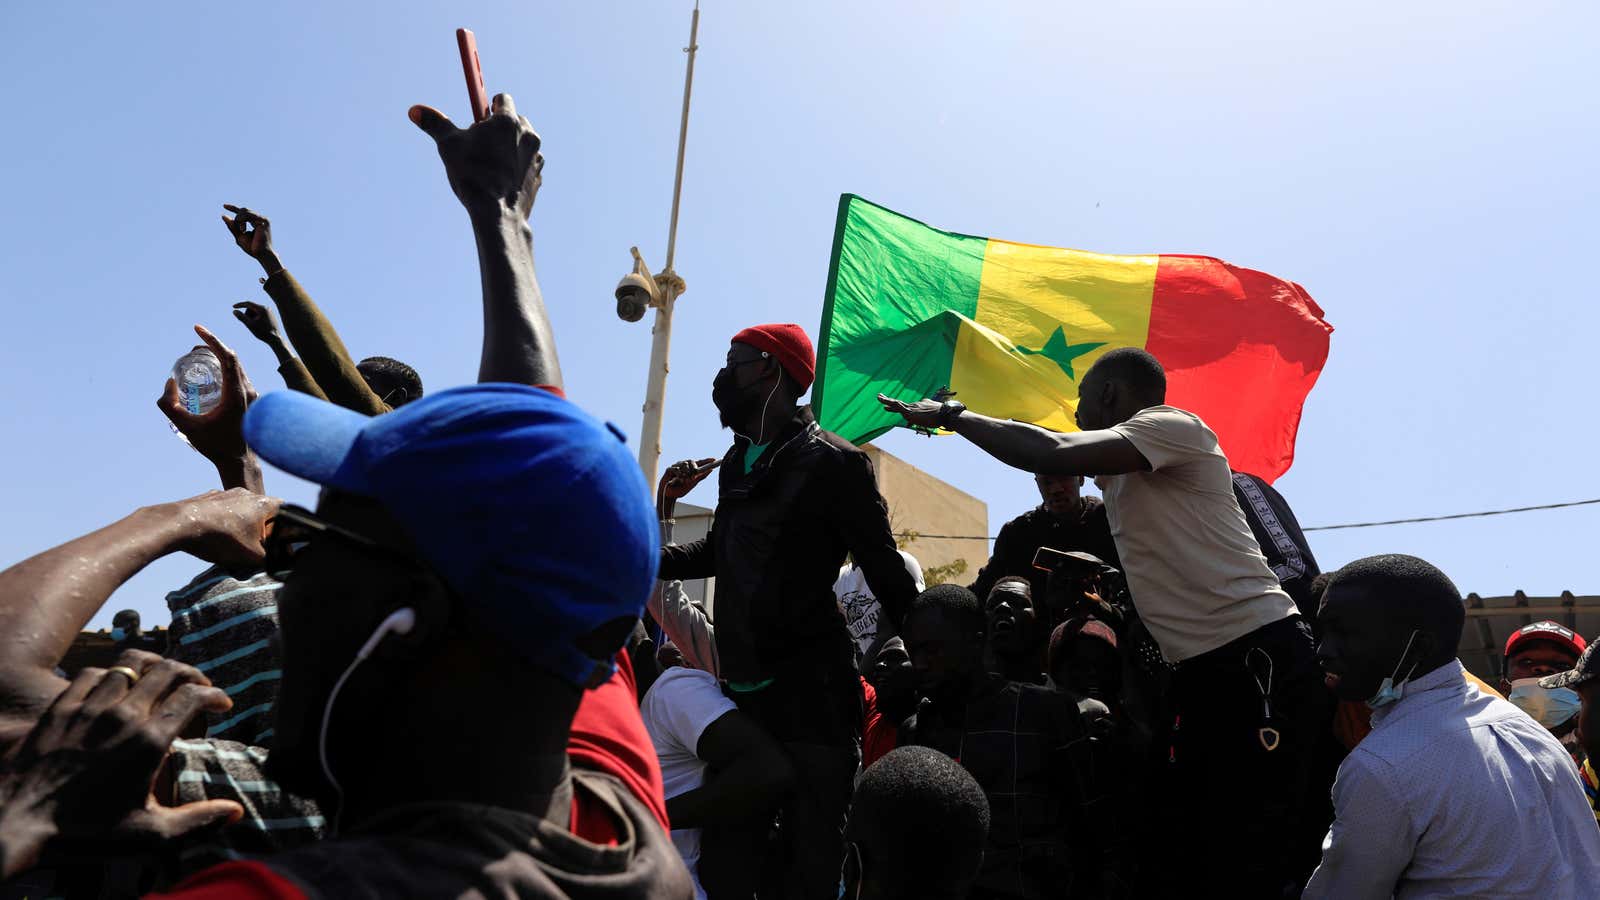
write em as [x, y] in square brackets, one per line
[639, 290]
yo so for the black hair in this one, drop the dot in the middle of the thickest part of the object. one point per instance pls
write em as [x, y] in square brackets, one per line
[921, 822]
[392, 380]
[1412, 591]
[1318, 587]
[1027, 586]
[1137, 369]
[952, 601]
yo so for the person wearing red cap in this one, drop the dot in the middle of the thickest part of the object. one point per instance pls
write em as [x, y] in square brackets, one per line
[793, 501]
[1534, 651]
[1537, 651]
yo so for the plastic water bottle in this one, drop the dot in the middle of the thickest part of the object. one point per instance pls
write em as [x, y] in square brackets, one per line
[199, 377]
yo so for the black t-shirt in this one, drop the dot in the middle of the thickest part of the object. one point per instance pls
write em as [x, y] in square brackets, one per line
[1021, 538]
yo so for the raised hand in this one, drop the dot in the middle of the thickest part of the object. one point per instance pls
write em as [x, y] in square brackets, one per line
[253, 233]
[681, 477]
[922, 413]
[260, 321]
[227, 527]
[493, 165]
[80, 782]
[218, 434]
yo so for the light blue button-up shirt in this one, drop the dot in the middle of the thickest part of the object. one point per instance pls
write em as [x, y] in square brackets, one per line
[1457, 793]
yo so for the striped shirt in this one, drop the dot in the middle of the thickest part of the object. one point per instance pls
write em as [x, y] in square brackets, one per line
[226, 625]
[274, 820]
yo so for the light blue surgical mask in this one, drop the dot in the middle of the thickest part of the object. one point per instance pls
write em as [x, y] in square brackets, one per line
[1550, 707]
[117, 634]
[1392, 690]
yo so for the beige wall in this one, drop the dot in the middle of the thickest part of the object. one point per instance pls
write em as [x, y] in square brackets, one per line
[922, 503]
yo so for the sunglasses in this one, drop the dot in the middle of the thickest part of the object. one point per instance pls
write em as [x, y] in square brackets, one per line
[734, 362]
[295, 529]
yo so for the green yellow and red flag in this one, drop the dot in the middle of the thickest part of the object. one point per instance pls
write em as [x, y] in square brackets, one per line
[1011, 328]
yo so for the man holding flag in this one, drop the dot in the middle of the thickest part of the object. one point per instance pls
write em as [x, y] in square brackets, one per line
[1248, 698]
[1054, 338]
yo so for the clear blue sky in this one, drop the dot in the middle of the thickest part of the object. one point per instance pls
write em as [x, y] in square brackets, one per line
[1426, 170]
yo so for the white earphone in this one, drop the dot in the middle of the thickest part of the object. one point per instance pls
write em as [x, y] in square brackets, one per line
[401, 621]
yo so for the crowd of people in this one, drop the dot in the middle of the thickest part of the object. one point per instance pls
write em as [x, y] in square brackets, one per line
[474, 670]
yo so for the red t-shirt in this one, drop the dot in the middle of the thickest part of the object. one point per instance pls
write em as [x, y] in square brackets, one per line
[607, 736]
[878, 735]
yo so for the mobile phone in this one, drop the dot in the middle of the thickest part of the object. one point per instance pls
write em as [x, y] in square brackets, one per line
[1049, 559]
[707, 467]
[468, 42]
[1046, 559]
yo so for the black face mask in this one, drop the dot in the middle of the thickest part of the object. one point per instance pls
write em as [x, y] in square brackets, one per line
[733, 405]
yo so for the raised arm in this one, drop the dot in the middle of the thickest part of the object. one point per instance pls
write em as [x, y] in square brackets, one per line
[47, 599]
[321, 351]
[494, 168]
[1028, 447]
[218, 435]
[685, 561]
[264, 327]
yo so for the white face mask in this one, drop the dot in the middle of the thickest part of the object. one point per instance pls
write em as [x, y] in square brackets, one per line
[1550, 707]
[1392, 690]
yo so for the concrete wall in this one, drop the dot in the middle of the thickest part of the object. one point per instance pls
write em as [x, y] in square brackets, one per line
[922, 503]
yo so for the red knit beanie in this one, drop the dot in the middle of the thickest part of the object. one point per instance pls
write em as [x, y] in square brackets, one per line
[788, 342]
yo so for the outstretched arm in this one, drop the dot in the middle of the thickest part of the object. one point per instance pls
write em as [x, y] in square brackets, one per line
[1029, 447]
[46, 600]
[494, 168]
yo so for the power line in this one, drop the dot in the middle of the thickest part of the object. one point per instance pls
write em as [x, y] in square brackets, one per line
[1470, 515]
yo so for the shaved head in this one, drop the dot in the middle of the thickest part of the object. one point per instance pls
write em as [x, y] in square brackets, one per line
[1136, 368]
[1391, 616]
[1118, 385]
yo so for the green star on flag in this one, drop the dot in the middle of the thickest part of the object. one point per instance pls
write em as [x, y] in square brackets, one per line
[1058, 351]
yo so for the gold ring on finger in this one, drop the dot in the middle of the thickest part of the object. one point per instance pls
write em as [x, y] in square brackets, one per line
[133, 677]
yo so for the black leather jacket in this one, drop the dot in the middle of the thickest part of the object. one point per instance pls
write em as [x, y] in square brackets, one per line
[780, 534]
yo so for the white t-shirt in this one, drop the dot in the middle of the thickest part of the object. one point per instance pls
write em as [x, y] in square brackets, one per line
[676, 711]
[1197, 576]
[862, 611]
